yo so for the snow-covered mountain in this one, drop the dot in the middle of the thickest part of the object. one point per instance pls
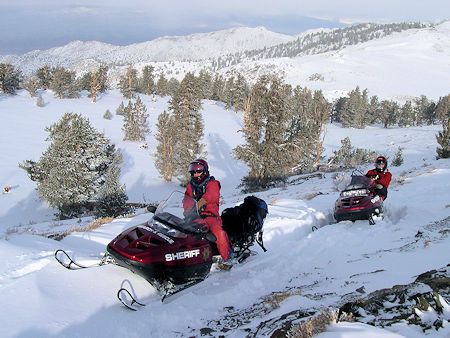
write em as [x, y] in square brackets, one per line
[397, 66]
[77, 55]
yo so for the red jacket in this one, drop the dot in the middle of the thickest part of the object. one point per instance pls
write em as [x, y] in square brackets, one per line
[384, 178]
[211, 196]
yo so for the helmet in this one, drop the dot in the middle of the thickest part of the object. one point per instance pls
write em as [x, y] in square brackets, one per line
[199, 166]
[380, 163]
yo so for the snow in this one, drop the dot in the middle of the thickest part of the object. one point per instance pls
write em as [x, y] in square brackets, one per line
[42, 299]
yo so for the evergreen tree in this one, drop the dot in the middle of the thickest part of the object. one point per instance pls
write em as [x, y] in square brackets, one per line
[398, 158]
[128, 83]
[443, 139]
[10, 78]
[161, 86]
[264, 130]
[442, 111]
[355, 110]
[72, 169]
[188, 122]
[44, 74]
[98, 82]
[424, 110]
[172, 86]
[147, 82]
[240, 92]
[64, 83]
[135, 124]
[166, 137]
[205, 83]
[107, 115]
[228, 94]
[388, 112]
[31, 84]
[111, 199]
[217, 88]
[121, 109]
[406, 115]
[348, 157]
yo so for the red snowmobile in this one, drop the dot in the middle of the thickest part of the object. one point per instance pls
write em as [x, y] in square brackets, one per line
[172, 251]
[358, 201]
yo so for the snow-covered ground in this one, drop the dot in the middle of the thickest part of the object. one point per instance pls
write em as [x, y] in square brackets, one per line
[42, 299]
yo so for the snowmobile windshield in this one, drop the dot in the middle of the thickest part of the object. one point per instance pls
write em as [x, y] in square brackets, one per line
[178, 212]
[358, 182]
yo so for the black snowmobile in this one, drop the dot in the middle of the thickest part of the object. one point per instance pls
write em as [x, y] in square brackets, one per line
[172, 251]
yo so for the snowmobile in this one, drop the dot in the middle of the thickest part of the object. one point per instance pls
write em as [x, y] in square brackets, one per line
[358, 201]
[173, 251]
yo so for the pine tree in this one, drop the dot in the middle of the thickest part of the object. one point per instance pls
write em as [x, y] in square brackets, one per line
[10, 78]
[217, 88]
[188, 122]
[44, 74]
[31, 84]
[64, 83]
[165, 136]
[128, 83]
[240, 92]
[72, 169]
[98, 82]
[443, 139]
[388, 113]
[355, 110]
[442, 110]
[147, 82]
[111, 199]
[121, 109]
[406, 115]
[398, 158]
[107, 115]
[264, 129]
[205, 83]
[161, 86]
[135, 124]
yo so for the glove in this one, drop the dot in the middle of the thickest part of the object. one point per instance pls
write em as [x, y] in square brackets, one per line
[374, 178]
[201, 204]
[379, 186]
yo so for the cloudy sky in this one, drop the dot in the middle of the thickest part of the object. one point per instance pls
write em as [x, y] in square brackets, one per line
[40, 24]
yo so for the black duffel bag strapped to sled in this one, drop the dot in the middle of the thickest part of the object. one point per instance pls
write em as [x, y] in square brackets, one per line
[244, 222]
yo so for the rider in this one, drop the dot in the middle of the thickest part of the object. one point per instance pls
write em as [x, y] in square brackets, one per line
[206, 192]
[382, 178]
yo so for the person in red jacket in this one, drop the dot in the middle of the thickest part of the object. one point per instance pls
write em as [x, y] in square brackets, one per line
[205, 190]
[381, 176]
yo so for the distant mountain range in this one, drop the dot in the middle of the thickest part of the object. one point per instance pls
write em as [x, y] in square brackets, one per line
[412, 56]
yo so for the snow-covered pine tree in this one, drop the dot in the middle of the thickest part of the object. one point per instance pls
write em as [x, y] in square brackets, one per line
[443, 139]
[228, 93]
[240, 92]
[165, 136]
[348, 157]
[135, 124]
[424, 110]
[388, 113]
[354, 112]
[172, 86]
[98, 82]
[205, 82]
[265, 121]
[398, 158]
[121, 109]
[63, 83]
[161, 86]
[406, 115]
[442, 110]
[111, 199]
[128, 83]
[31, 84]
[107, 115]
[10, 78]
[217, 88]
[147, 81]
[44, 74]
[72, 169]
[188, 126]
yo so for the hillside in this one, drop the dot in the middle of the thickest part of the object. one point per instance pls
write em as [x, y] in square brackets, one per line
[302, 272]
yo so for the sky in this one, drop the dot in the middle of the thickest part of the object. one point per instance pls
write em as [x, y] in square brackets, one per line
[27, 25]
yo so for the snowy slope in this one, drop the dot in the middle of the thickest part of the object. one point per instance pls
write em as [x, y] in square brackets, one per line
[315, 269]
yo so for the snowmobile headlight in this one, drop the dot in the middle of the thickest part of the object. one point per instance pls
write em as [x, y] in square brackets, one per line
[353, 193]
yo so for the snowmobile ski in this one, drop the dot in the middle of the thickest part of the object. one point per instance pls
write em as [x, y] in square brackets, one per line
[131, 302]
[66, 261]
